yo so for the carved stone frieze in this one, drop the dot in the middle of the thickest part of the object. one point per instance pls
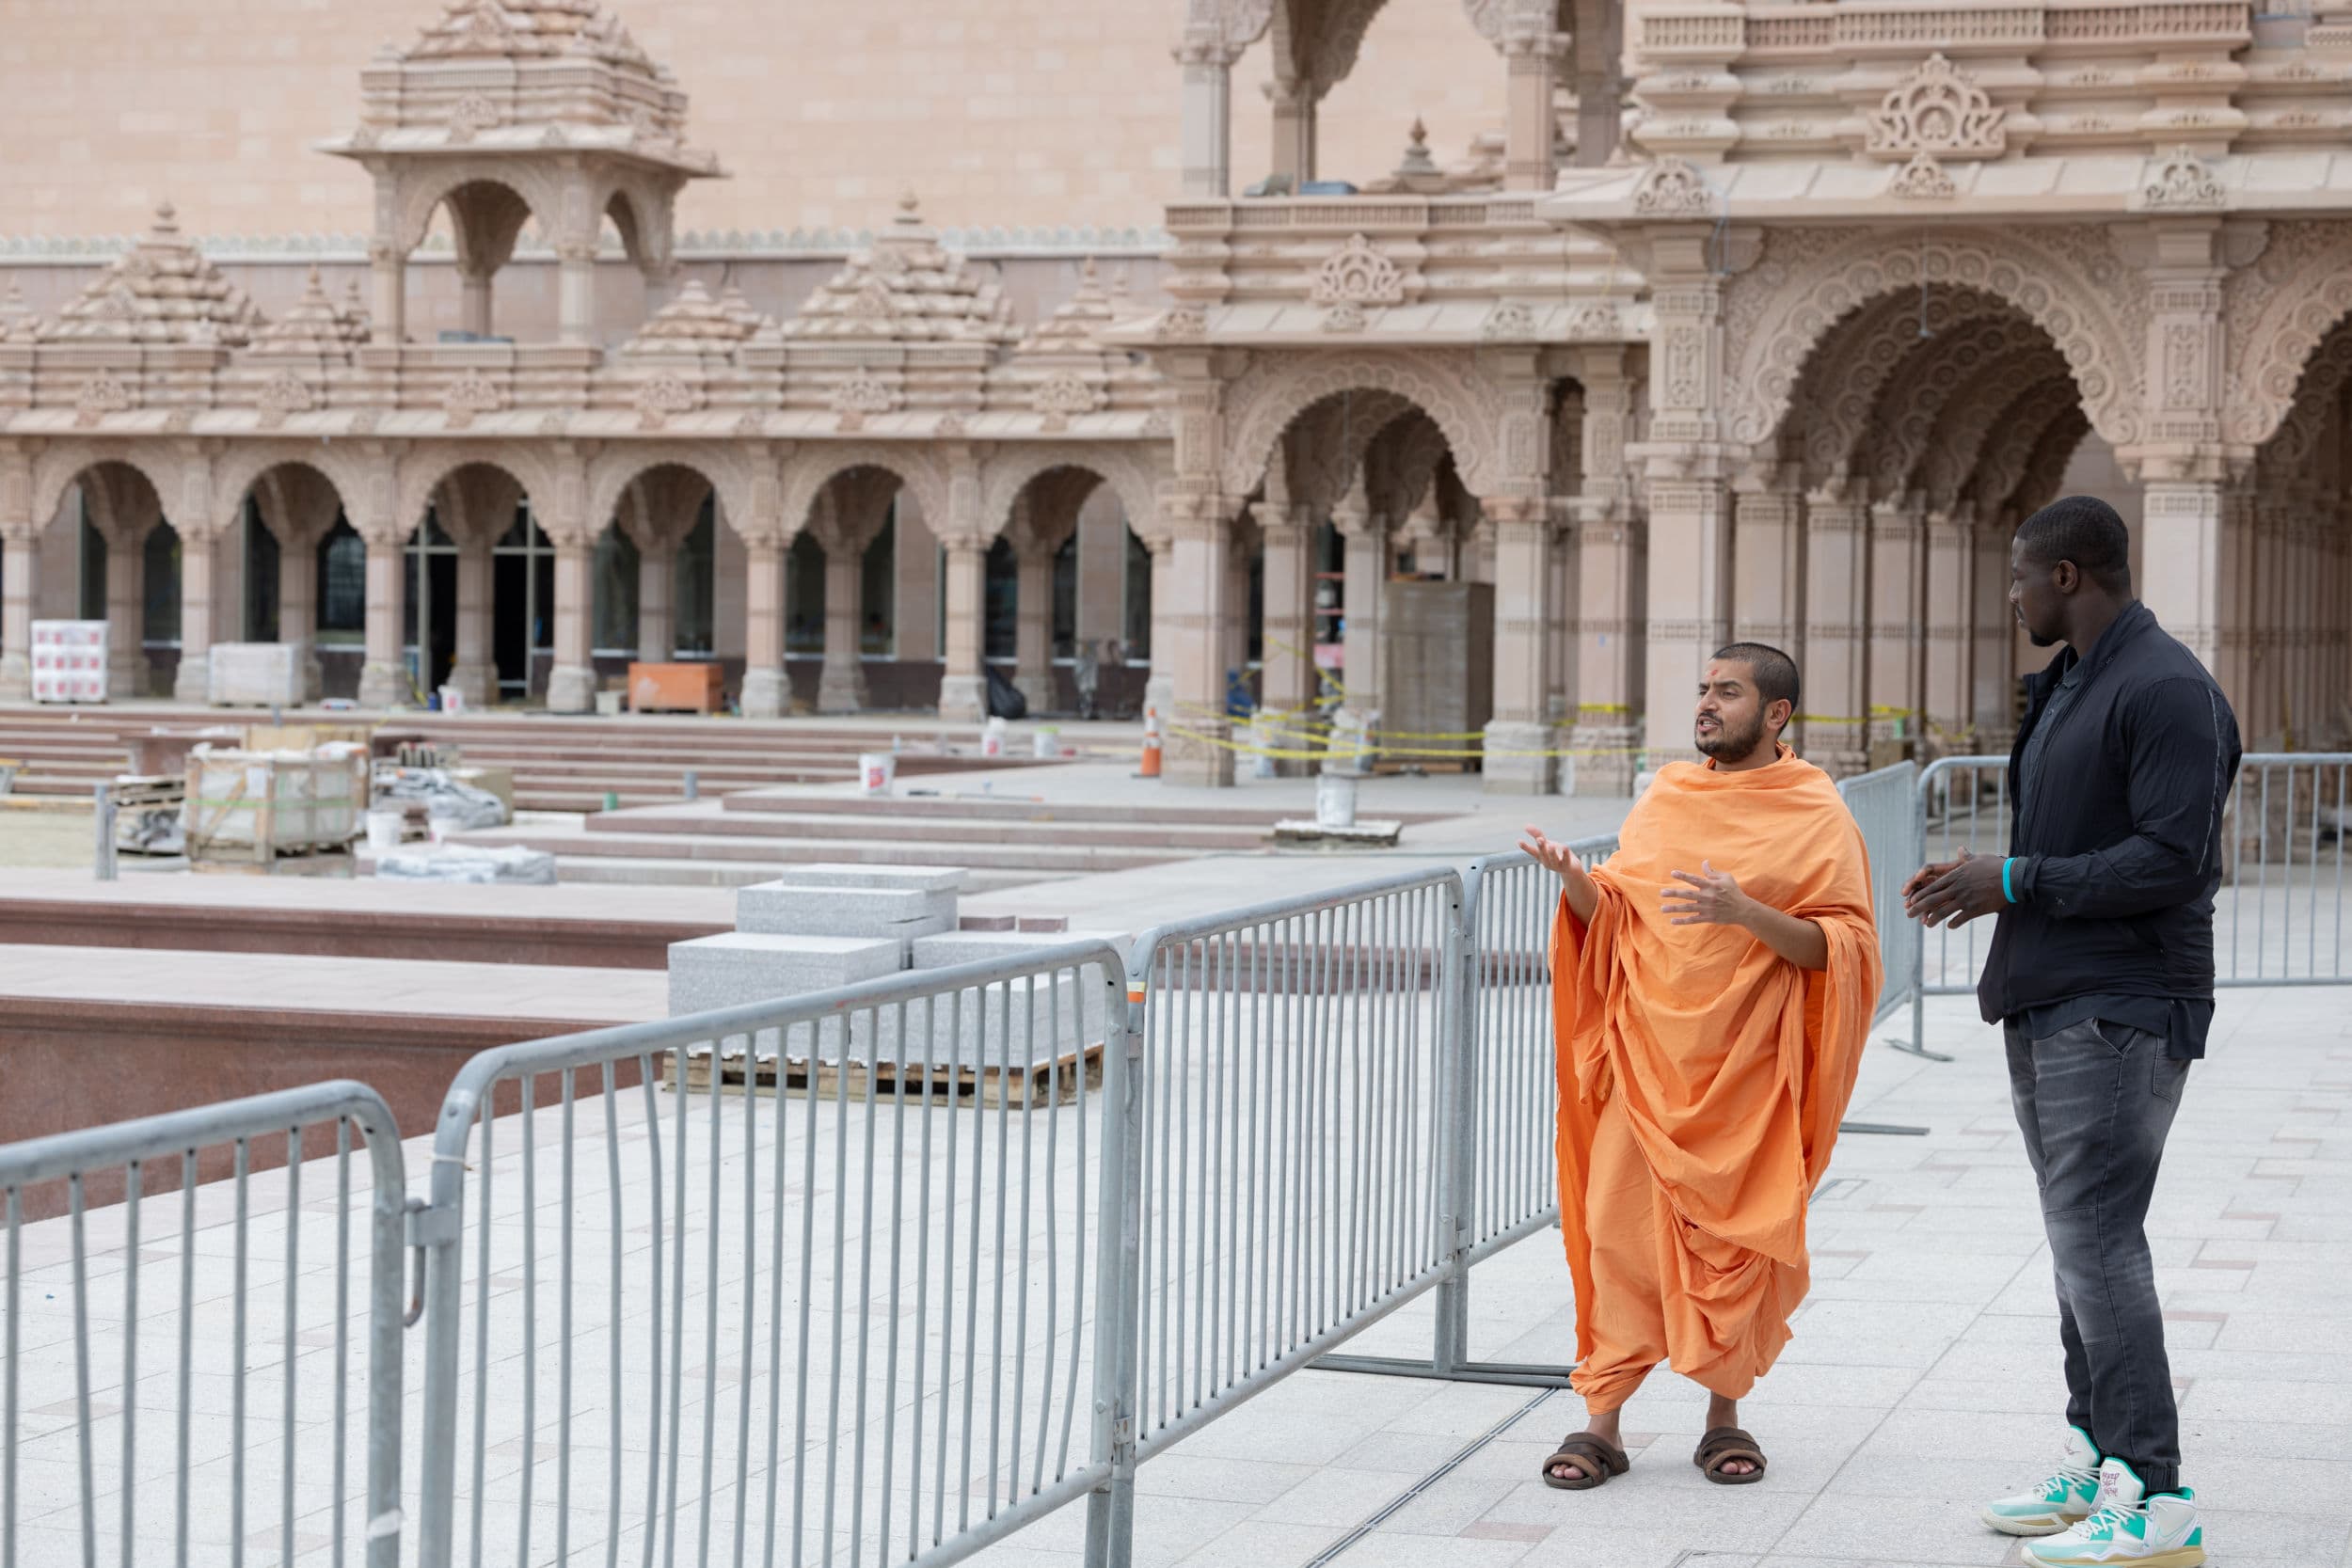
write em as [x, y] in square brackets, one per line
[1936, 108]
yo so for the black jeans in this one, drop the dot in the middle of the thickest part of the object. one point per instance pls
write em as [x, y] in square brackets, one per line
[2094, 1102]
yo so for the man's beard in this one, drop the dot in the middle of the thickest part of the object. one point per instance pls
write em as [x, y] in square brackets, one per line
[2039, 641]
[1728, 742]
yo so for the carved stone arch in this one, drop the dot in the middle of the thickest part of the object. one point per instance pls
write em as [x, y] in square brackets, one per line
[1842, 383]
[649, 234]
[1325, 445]
[1448, 387]
[1400, 468]
[2302, 427]
[723, 467]
[814, 466]
[2017, 431]
[1915, 400]
[244, 464]
[57, 467]
[2045, 470]
[1010, 470]
[424, 467]
[2068, 282]
[423, 193]
[1967, 423]
[1339, 38]
[2275, 316]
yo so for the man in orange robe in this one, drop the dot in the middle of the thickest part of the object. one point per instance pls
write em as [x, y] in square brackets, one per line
[1712, 987]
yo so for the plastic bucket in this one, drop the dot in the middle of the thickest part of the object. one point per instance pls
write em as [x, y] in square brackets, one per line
[452, 700]
[1335, 800]
[876, 772]
[1045, 743]
[383, 831]
[991, 742]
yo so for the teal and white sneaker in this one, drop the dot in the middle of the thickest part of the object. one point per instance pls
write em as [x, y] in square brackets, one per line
[2127, 1527]
[2057, 1502]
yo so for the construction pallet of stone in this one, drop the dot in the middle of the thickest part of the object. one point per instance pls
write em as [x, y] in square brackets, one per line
[1027, 1087]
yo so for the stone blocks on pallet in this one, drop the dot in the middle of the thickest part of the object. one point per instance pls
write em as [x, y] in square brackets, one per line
[794, 908]
[736, 969]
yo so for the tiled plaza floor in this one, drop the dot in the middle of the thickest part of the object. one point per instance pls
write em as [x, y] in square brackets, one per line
[1924, 1376]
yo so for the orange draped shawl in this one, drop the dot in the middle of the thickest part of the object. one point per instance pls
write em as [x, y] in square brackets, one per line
[1732, 1064]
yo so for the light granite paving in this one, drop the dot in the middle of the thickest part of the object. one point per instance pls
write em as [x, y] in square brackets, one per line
[1924, 1374]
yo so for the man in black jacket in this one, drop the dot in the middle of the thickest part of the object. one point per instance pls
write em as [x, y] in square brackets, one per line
[2101, 972]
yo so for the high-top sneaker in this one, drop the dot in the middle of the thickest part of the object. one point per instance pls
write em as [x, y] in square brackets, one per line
[2127, 1526]
[2057, 1501]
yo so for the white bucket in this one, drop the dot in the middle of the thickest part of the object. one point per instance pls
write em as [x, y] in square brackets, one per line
[1045, 743]
[383, 831]
[452, 700]
[876, 772]
[991, 742]
[1335, 800]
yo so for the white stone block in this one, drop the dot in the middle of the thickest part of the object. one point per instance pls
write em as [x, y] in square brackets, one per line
[255, 675]
[923, 879]
[738, 967]
[793, 907]
[965, 947]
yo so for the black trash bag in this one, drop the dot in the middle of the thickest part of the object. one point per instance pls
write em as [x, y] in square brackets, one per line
[1004, 698]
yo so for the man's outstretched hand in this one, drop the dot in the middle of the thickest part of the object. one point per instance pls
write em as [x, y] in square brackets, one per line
[1556, 858]
[1711, 897]
[1952, 892]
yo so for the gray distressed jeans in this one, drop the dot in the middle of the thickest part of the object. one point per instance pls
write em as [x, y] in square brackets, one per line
[2095, 1102]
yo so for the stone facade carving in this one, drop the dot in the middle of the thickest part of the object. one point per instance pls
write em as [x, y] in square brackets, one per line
[1671, 188]
[1936, 108]
[1355, 277]
[2182, 180]
[1922, 180]
[471, 394]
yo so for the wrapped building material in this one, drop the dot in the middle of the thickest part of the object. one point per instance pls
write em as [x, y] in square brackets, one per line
[467, 863]
[255, 806]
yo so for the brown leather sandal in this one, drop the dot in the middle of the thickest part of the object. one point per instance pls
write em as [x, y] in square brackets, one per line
[1722, 1445]
[1597, 1457]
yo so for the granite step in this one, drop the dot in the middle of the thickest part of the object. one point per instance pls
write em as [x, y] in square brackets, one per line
[1063, 860]
[1132, 833]
[653, 871]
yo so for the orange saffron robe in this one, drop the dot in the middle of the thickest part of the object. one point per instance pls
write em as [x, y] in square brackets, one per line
[1702, 1076]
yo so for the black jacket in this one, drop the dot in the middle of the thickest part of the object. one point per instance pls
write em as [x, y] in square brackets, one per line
[2117, 838]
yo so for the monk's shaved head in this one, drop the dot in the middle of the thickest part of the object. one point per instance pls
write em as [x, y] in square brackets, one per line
[1773, 672]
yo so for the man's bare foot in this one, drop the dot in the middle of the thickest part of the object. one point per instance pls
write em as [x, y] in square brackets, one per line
[1601, 1424]
[1722, 1411]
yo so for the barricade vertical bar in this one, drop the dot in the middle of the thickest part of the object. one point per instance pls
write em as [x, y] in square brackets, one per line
[7, 1402]
[1458, 1111]
[187, 1340]
[131, 1370]
[342, 1315]
[81, 1375]
[294, 1278]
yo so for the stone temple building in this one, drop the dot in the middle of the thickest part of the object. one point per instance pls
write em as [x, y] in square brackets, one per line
[1764, 321]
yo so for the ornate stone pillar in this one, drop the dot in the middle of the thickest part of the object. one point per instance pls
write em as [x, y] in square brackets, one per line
[472, 667]
[1520, 731]
[387, 279]
[963, 688]
[1033, 626]
[199, 557]
[1690, 500]
[1159, 687]
[1951, 594]
[767, 691]
[1206, 133]
[1290, 597]
[1834, 732]
[657, 598]
[576, 293]
[473, 301]
[384, 678]
[572, 683]
[1366, 568]
[1767, 532]
[1198, 593]
[1993, 630]
[2193, 563]
[20, 573]
[1897, 550]
[1560, 683]
[841, 679]
[1236, 655]
[1531, 47]
[1293, 100]
[1610, 582]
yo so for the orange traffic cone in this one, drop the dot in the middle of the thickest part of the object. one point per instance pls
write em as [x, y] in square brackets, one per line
[1150, 743]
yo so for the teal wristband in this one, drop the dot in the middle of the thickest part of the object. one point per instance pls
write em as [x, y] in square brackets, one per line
[2006, 891]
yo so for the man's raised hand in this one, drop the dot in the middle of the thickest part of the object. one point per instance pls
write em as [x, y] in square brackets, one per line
[1557, 858]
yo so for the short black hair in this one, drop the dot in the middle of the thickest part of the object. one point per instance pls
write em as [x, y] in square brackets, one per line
[1775, 673]
[2087, 531]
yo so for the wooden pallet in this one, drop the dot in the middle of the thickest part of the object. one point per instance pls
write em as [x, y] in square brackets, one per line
[1025, 1088]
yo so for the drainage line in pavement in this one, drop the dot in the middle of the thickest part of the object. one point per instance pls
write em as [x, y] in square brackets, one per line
[1344, 1542]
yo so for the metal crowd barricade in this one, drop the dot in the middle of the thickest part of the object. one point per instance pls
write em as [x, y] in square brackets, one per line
[861, 1322]
[2279, 916]
[1293, 1119]
[1885, 805]
[262, 1333]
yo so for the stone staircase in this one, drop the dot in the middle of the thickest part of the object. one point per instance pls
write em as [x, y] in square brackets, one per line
[759, 835]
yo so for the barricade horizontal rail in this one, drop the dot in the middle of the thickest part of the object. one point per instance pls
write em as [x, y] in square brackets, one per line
[1287, 1135]
[2279, 914]
[105, 1387]
[858, 1324]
